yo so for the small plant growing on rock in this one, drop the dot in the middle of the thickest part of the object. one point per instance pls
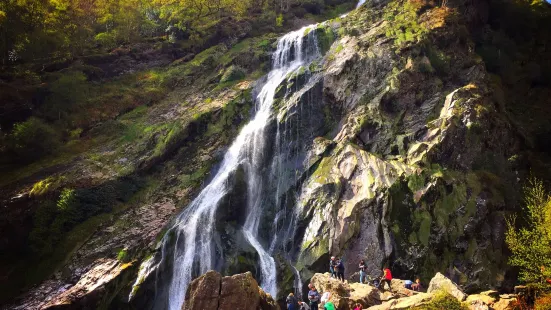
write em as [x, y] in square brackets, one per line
[442, 301]
[122, 255]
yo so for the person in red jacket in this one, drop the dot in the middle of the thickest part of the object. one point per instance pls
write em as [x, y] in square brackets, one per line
[387, 278]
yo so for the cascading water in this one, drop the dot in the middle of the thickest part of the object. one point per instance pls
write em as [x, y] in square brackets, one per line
[194, 228]
[188, 249]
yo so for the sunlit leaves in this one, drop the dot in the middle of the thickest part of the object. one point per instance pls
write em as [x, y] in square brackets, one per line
[531, 245]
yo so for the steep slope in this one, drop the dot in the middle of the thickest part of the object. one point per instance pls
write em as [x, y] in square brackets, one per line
[134, 174]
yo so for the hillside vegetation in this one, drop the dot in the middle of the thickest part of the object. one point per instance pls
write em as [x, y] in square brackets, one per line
[114, 113]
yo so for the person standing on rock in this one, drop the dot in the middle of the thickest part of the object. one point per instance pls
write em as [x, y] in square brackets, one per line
[313, 297]
[340, 270]
[291, 301]
[362, 271]
[387, 278]
[332, 266]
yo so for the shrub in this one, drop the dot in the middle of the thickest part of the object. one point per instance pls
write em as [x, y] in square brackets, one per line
[122, 255]
[67, 94]
[32, 139]
[531, 245]
[233, 73]
[442, 301]
[54, 219]
[402, 23]
[279, 20]
[106, 40]
[543, 303]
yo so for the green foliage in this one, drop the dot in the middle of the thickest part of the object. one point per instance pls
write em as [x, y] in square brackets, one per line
[402, 23]
[233, 73]
[326, 36]
[531, 244]
[66, 199]
[122, 255]
[32, 139]
[442, 301]
[54, 219]
[106, 40]
[438, 60]
[67, 94]
[279, 20]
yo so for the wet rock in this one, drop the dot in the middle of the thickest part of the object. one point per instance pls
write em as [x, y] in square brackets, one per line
[96, 286]
[238, 292]
[440, 282]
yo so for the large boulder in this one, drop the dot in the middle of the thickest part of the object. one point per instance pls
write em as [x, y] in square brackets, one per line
[204, 292]
[481, 301]
[404, 302]
[238, 292]
[440, 282]
[95, 288]
[506, 302]
[346, 295]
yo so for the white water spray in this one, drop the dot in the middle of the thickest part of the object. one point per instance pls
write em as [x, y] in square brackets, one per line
[194, 230]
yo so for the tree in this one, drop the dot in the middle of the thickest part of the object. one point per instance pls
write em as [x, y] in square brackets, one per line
[531, 244]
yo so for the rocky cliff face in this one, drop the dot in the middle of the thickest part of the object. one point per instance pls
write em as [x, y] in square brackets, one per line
[395, 148]
[417, 171]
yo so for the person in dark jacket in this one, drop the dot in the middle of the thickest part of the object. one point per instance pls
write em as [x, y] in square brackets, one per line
[292, 303]
[362, 268]
[340, 270]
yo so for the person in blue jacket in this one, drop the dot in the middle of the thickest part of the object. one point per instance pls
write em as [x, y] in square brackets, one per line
[313, 297]
[292, 302]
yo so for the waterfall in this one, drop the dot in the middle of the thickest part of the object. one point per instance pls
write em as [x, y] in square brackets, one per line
[360, 3]
[189, 248]
[194, 230]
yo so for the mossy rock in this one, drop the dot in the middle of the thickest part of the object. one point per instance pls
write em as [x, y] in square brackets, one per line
[233, 73]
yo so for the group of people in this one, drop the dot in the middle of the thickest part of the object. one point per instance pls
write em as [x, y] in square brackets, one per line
[386, 277]
[414, 286]
[336, 267]
[315, 301]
